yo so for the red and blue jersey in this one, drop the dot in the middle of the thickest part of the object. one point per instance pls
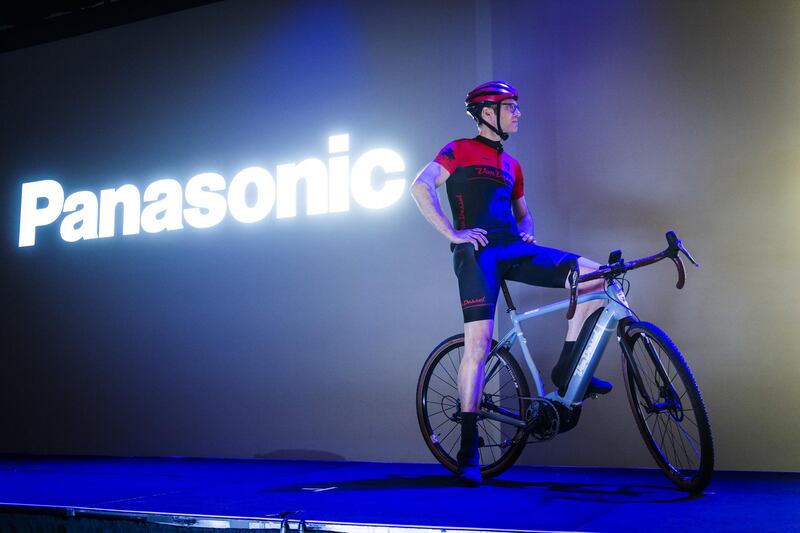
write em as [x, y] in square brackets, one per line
[483, 181]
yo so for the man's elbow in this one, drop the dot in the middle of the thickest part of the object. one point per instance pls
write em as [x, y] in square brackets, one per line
[419, 189]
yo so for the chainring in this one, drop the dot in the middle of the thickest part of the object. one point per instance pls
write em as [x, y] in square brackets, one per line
[542, 419]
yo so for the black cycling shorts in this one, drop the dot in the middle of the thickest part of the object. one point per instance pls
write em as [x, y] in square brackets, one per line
[480, 272]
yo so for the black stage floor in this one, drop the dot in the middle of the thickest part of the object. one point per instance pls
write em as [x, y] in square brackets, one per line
[365, 497]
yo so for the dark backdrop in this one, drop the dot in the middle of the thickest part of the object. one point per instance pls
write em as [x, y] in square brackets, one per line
[303, 337]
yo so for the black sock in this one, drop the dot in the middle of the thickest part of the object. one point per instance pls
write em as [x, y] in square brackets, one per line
[469, 427]
[563, 364]
[469, 437]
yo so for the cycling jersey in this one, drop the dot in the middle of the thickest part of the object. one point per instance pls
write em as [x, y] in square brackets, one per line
[483, 182]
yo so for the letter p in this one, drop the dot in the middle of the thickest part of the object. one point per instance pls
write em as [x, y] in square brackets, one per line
[30, 216]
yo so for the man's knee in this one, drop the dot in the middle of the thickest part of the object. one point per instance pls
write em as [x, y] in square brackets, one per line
[478, 338]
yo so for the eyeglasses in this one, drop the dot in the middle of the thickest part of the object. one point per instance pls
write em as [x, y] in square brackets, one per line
[512, 107]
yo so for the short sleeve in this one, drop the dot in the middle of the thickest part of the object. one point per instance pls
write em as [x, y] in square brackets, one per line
[518, 190]
[447, 157]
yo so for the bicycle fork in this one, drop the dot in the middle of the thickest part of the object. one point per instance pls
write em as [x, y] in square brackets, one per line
[669, 395]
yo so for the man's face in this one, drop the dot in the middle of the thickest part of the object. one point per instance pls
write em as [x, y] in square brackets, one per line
[509, 115]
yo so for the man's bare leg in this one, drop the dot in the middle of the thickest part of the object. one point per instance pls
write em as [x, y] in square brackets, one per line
[584, 310]
[477, 342]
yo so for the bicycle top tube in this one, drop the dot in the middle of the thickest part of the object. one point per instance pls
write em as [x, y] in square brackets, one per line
[557, 306]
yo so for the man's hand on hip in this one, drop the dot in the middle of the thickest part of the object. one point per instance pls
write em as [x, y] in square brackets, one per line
[476, 236]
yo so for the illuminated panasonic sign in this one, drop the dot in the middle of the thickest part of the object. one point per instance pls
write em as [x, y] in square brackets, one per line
[210, 198]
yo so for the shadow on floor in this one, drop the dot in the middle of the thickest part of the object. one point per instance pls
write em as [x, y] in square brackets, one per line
[578, 491]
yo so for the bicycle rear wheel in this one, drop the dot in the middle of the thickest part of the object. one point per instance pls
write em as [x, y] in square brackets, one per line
[439, 410]
[674, 422]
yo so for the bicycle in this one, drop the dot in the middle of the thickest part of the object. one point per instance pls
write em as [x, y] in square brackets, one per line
[662, 392]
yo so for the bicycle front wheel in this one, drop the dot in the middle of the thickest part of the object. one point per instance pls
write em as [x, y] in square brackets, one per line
[439, 409]
[668, 407]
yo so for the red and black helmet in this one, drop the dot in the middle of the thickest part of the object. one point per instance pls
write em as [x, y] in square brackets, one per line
[491, 92]
[487, 94]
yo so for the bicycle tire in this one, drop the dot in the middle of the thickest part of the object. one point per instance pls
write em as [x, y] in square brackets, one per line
[677, 432]
[437, 411]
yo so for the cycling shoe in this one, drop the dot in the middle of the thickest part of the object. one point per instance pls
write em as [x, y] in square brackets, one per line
[598, 387]
[468, 457]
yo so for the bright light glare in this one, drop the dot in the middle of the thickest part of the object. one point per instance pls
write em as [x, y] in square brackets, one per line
[361, 177]
[316, 176]
[30, 217]
[82, 223]
[327, 190]
[209, 207]
[128, 196]
[265, 195]
[167, 197]
[338, 143]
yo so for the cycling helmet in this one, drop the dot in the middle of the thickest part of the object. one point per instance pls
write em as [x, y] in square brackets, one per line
[490, 94]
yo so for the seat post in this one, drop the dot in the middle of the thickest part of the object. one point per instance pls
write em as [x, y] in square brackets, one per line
[507, 296]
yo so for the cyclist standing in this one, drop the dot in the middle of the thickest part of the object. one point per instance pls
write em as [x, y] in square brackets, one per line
[492, 238]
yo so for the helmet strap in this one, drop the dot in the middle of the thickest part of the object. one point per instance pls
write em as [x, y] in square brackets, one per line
[498, 130]
[503, 135]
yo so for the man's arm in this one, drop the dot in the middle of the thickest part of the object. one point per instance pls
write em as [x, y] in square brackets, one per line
[524, 219]
[424, 192]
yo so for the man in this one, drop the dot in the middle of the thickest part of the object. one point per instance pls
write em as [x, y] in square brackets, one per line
[492, 238]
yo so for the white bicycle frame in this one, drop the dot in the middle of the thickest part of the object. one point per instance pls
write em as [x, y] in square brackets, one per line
[615, 310]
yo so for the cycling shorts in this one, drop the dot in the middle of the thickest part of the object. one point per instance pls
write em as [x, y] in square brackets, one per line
[481, 271]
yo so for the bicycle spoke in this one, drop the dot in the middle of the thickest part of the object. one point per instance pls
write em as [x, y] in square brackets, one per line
[669, 440]
[683, 447]
[690, 420]
[499, 427]
[445, 421]
[455, 367]
[693, 443]
[490, 373]
[494, 442]
[436, 413]
[668, 428]
[448, 434]
[443, 410]
[437, 376]
[431, 389]
[450, 451]
[689, 462]
[664, 432]
[453, 380]
[509, 382]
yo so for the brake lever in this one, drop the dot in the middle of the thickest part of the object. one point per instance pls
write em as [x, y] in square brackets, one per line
[573, 291]
[675, 246]
[685, 252]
